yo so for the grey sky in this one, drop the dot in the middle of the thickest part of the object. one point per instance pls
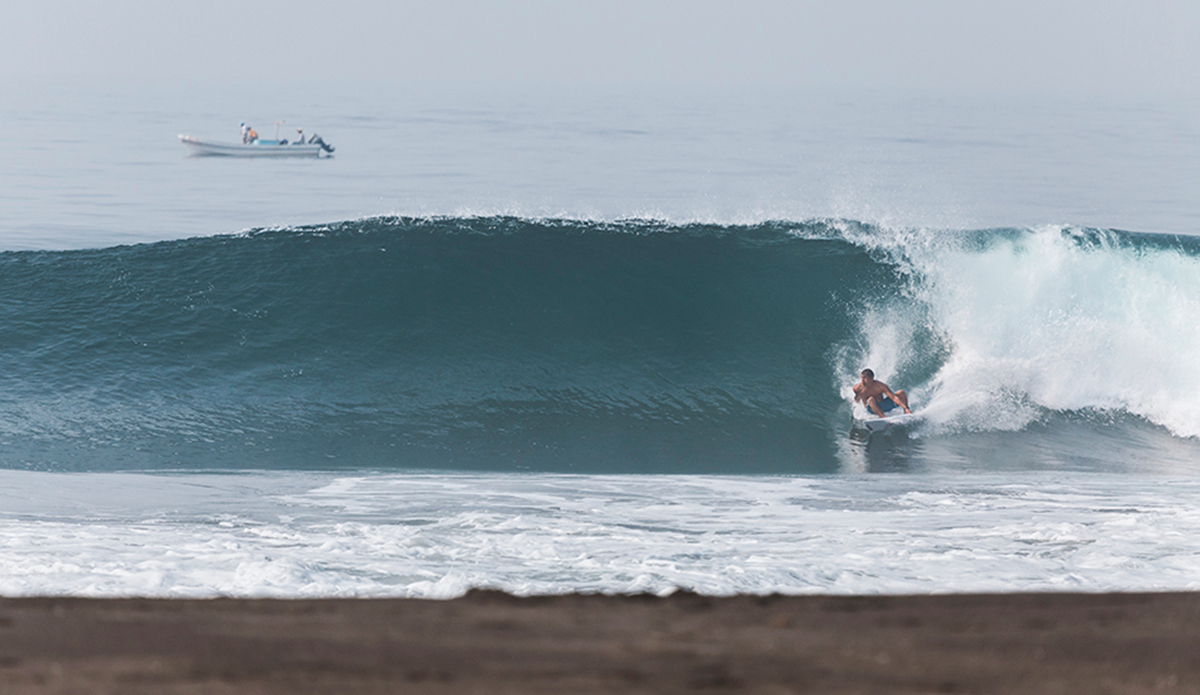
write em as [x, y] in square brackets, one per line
[1106, 46]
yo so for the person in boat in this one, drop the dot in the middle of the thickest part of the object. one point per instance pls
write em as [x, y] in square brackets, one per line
[877, 396]
[299, 137]
[245, 132]
[251, 136]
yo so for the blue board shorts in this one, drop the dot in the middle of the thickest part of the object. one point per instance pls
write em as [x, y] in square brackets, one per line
[885, 404]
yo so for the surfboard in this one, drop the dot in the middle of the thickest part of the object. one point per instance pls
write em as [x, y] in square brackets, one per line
[874, 423]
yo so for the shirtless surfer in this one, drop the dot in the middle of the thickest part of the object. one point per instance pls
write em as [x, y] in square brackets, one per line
[876, 395]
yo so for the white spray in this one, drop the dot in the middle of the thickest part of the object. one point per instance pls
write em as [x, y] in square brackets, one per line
[1046, 319]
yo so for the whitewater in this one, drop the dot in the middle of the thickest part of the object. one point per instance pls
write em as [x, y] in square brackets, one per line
[547, 348]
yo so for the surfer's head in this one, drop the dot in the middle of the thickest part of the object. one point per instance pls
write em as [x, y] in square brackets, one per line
[868, 376]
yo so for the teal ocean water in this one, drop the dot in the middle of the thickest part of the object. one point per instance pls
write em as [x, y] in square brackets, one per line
[593, 341]
[507, 345]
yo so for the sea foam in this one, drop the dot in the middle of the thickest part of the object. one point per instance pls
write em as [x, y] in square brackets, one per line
[438, 535]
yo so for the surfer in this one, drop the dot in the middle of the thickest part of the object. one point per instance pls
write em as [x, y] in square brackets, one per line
[876, 395]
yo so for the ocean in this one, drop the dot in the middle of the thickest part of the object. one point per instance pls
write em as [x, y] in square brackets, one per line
[596, 340]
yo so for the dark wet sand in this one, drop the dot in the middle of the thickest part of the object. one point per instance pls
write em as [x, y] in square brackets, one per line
[493, 643]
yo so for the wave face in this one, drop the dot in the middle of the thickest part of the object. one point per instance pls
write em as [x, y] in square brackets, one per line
[513, 344]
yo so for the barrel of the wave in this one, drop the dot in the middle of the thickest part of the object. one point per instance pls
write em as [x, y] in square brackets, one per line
[418, 343]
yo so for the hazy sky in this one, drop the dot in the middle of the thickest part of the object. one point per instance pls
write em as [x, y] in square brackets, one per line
[1106, 46]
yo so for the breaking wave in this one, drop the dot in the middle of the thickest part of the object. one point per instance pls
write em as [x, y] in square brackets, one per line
[637, 346]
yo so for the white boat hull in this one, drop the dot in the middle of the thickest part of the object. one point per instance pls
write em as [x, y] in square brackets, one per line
[220, 149]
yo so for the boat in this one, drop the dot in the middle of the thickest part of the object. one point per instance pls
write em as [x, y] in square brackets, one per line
[316, 147]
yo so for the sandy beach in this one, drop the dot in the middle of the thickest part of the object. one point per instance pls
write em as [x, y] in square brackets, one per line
[488, 642]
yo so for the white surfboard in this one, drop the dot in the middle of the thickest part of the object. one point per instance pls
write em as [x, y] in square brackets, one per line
[874, 423]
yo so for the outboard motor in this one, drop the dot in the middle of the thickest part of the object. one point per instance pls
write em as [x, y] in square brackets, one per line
[315, 139]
